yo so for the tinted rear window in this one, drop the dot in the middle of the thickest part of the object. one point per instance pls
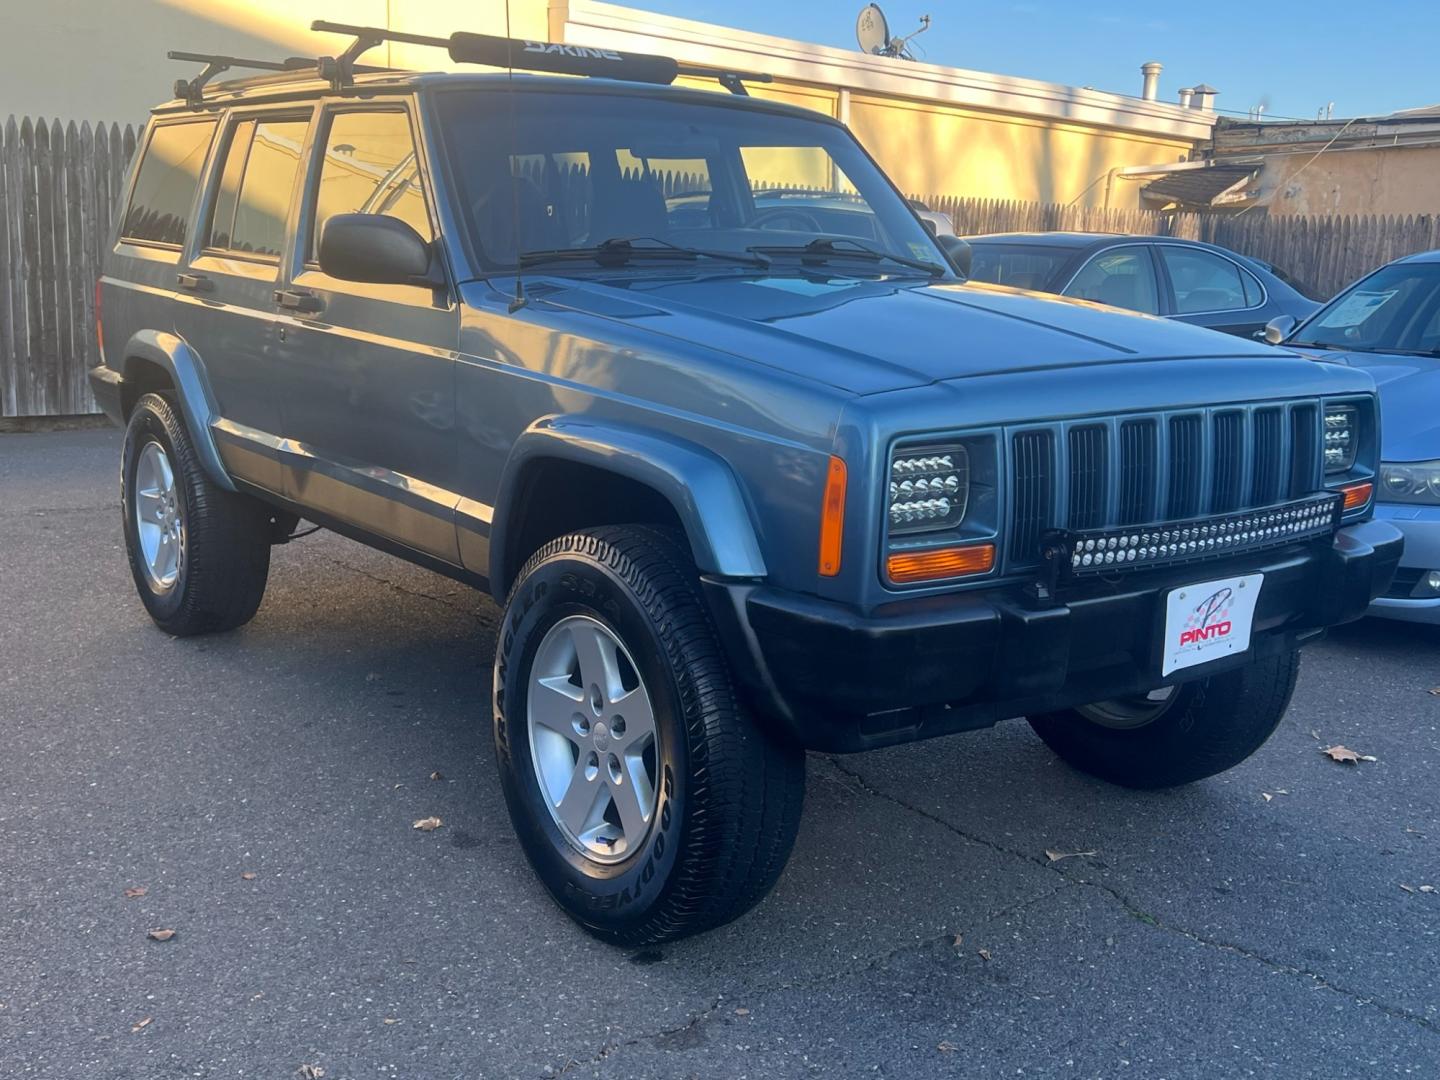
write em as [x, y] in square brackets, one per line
[253, 201]
[1018, 266]
[165, 186]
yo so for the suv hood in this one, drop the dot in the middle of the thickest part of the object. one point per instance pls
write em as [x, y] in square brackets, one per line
[870, 336]
[1409, 390]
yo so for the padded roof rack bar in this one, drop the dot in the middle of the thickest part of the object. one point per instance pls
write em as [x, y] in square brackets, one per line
[467, 48]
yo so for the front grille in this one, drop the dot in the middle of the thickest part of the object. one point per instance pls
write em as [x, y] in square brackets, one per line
[1135, 470]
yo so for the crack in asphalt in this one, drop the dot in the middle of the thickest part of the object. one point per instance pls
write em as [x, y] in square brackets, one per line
[1140, 914]
[442, 601]
[694, 1021]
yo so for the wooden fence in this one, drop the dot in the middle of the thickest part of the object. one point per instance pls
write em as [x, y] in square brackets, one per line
[1324, 254]
[59, 185]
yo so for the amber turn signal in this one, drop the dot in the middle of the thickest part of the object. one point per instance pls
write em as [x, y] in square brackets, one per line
[1357, 495]
[832, 518]
[908, 567]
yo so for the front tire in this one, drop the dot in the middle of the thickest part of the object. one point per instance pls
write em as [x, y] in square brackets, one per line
[199, 554]
[650, 804]
[1202, 728]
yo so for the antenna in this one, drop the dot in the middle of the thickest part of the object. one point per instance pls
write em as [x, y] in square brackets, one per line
[872, 31]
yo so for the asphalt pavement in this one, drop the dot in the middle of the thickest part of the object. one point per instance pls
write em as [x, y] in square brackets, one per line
[260, 787]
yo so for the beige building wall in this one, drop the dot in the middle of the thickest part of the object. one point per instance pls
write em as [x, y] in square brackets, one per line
[1389, 180]
[936, 130]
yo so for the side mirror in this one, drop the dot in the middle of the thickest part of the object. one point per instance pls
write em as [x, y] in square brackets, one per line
[376, 248]
[958, 252]
[1279, 328]
[930, 225]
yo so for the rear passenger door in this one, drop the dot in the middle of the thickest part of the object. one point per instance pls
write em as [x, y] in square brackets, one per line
[368, 369]
[226, 309]
[1122, 276]
[1207, 289]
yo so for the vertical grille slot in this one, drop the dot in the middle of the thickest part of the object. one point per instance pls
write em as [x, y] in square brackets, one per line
[1138, 455]
[1229, 458]
[1267, 467]
[1088, 469]
[1304, 456]
[1033, 453]
[1186, 442]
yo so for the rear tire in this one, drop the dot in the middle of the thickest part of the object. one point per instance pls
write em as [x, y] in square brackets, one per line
[723, 796]
[199, 554]
[1204, 728]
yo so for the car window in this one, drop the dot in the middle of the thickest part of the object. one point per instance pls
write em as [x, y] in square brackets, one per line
[165, 185]
[1204, 281]
[1017, 266]
[256, 181]
[1123, 277]
[684, 173]
[370, 167]
[1397, 307]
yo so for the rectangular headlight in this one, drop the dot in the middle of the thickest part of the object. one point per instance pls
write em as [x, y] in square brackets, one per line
[1410, 482]
[929, 489]
[1341, 438]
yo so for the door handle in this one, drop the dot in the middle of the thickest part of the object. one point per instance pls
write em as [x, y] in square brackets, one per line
[296, 300]
[194, 282]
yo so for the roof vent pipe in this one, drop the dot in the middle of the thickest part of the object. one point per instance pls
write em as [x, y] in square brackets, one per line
[1151, 71]
[1185, 95]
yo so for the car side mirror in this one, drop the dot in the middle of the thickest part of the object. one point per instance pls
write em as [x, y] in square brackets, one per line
[1279, 328]
[376, 248]
[929, 225]
[958, 252]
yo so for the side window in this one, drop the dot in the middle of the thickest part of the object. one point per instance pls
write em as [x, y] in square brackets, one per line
[165, 185]
[256, 182]
[370, 168]
[1204, 281]
[1124, 277]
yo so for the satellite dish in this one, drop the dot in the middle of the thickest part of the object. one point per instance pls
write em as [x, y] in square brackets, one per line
[872, 31]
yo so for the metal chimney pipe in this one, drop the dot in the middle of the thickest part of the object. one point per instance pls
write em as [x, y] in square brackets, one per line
[1151, 71]
[1185, 95]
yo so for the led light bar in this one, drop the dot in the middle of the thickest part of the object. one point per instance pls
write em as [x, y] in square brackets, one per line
[1169, 543]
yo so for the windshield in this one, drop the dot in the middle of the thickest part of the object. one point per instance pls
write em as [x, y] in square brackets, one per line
[584, 169]
[1018, 265]
[1395, 309]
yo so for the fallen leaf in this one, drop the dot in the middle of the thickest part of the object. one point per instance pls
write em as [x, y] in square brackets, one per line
[1340, 753]
[959, 940]
[248, 875]
[391, 1020]
[1266, 796]
[742, 1011]
[310, 1072]
[1407, 888]
[1314, 734]
[136, 892]
[437, 775]
[1435, 690]
[427, 824]
[161, 935]
[984, 954]
[945, 1046]
[1281, 791]
[1427, 888]
[140, 1025]
[1368, 757]
[1056, 856]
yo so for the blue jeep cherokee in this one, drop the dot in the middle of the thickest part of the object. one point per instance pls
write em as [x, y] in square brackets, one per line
[746, 486]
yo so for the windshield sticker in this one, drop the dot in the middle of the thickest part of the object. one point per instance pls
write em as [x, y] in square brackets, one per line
[1355, 309]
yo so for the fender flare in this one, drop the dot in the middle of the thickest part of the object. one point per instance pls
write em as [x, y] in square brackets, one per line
[697, 483]
[192, 389]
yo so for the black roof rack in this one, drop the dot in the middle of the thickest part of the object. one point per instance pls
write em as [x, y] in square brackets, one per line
[467, 48]
[193, 90]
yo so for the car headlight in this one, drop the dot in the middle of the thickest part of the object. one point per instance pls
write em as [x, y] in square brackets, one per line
[1410, 482]
[929, 489]
[1341, 438]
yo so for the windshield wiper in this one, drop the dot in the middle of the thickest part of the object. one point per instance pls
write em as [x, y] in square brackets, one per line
[1362, 348]
[619, 250]
[1316, 345]
[826, 247]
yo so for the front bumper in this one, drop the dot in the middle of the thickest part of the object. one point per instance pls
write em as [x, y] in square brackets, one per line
[1420, 526]
[839, 680]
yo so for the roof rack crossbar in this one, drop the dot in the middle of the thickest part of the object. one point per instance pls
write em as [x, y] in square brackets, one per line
[193, 90]
[467, 48]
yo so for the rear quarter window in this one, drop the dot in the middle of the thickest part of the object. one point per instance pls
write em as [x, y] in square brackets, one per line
[165, 184]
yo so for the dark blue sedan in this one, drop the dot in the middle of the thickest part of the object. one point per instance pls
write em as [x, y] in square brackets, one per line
[1180, 279]
[1389, 324]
